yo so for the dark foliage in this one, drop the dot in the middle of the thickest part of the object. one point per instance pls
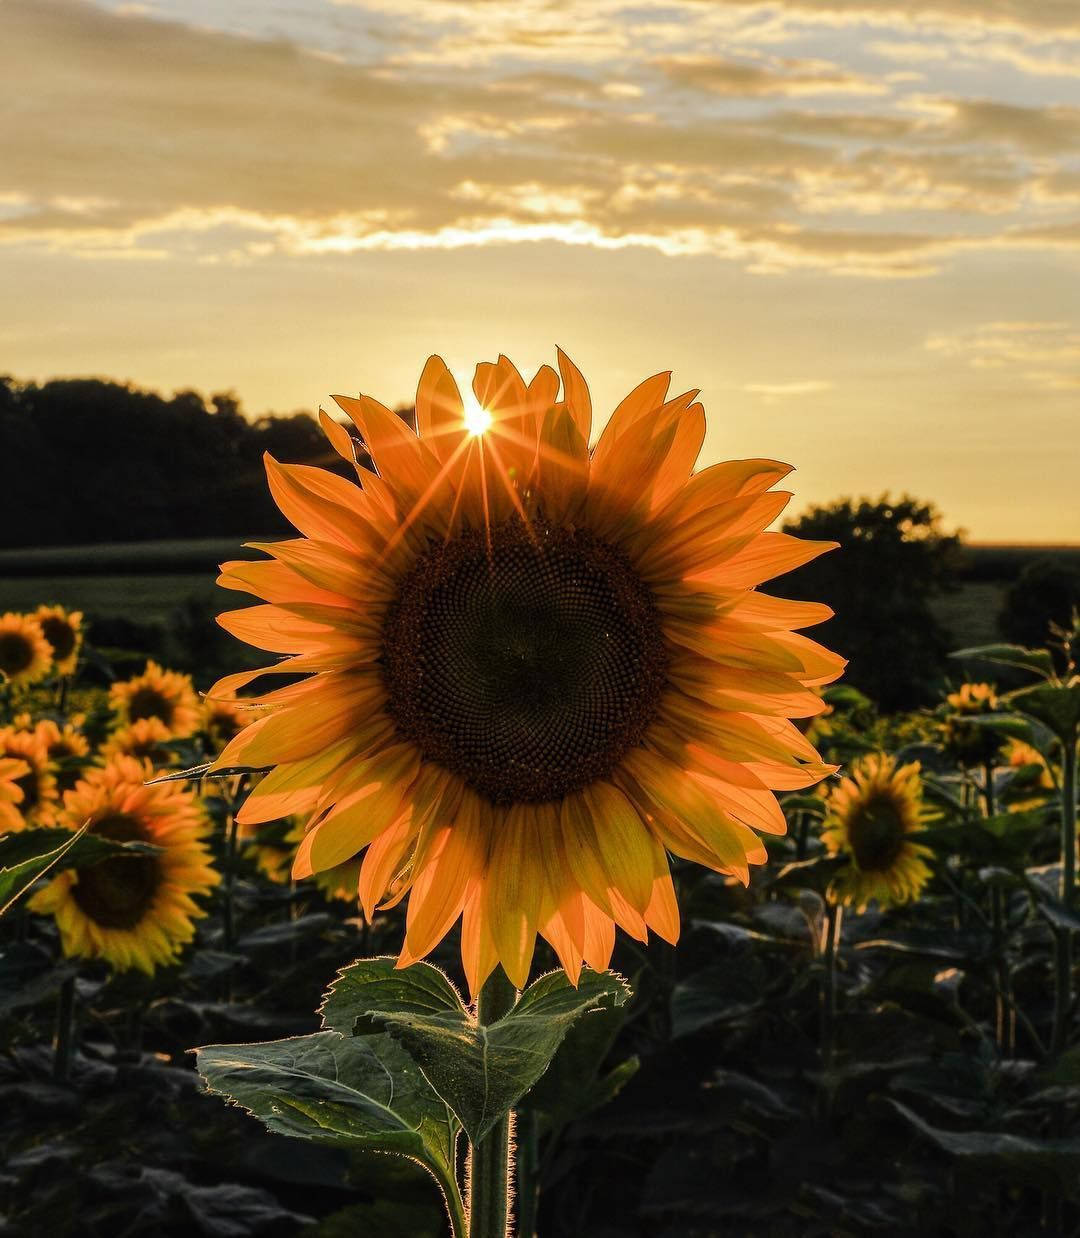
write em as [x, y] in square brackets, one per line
[83, 460]
[1045, 592]
[893, 558]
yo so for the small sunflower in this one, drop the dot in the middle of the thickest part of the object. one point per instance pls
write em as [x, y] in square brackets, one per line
[62, 630]
[158, 693]
[11, 794]
[870, 817]
[147, 740]
[25, 655]
[969, 743]
[68, 750]
[532, 669]
[224, 719]
[38, 785]
[133, 911]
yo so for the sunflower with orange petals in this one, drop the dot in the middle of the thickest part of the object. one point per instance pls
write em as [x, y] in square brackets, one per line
[135, 911]
[531, 669]
[157, 693]
[25, 655]
[11, 794]
[147, 739]
[40, 795]
[62, 630]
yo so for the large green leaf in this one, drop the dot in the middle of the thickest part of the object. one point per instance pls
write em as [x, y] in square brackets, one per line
[352, 1091]
[480, 1071]
[1057, 705]
[1047, 1163]
[30, 854]
[1037, 660]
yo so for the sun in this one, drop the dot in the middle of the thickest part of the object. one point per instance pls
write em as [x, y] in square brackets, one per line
[477, 418]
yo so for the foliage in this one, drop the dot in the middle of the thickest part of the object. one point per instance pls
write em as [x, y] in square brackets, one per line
[716, 1100]
[900, 556]
[1045, 592]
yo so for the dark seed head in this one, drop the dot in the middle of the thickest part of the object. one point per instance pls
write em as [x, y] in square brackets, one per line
[528, 660]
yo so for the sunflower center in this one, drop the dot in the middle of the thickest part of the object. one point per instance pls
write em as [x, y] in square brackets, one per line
[149, 703]
[28, 784]
[118, 892]
[16, 653]
[60, 635]
[876, 832]
[527, 661]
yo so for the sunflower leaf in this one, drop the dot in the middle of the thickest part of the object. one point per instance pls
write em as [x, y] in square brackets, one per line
[30, 854]
[1037, 660]
[481, 1072]
[361, 1092]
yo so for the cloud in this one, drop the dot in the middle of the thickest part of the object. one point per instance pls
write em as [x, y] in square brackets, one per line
[1043, 354]
[784, 78]
[139, 137]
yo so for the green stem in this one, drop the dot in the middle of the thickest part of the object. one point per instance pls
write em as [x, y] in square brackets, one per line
[1063, 942]
[1068, 816]
[988, 788]
[489, 1160]
[834, 915]
[64, 1050]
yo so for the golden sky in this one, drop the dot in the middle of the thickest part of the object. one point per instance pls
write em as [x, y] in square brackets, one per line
[854, 224]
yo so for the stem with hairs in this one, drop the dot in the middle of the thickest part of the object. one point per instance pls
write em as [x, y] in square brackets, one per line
[489, 1160]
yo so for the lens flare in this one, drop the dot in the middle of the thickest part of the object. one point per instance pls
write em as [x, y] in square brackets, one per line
[477, 418]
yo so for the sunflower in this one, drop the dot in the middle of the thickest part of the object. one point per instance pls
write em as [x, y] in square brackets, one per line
[967, 742]
[62, 630]
[67, 748]
[870, 817]
[274, 858]
[147, 739]
[531, 670]
[11, 794]
[133, 911]
[38, 785]
[224, 719]
[158, 693]
[25, 656]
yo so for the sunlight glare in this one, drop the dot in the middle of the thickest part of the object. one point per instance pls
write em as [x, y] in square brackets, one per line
[477, 418]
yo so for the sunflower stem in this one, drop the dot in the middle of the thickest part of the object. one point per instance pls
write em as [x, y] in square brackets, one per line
[1063, 942]
[64, 1048]
[834, 915]
[489, 1160]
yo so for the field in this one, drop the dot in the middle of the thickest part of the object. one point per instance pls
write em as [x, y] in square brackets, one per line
[876, 1035]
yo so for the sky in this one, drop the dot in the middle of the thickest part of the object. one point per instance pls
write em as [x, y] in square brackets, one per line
[854, 224]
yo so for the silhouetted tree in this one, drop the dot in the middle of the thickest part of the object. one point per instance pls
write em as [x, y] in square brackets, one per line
[893, 558]
[84, 460]
[1045, 592]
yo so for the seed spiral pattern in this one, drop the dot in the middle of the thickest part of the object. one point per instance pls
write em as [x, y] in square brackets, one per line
[528, 660]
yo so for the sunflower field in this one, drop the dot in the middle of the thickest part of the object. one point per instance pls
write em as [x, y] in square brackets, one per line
[534, 743]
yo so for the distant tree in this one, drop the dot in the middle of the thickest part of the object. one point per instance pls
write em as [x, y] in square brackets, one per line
[1045, 592]
[894, 556]
[85, 460]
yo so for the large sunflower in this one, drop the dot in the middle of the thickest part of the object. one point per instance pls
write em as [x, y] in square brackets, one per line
[134, 911]
[11, 794]
[532, 669]
[62, 630]
[870, 818]
[158, 693]
[25, 655]
[38, 784]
